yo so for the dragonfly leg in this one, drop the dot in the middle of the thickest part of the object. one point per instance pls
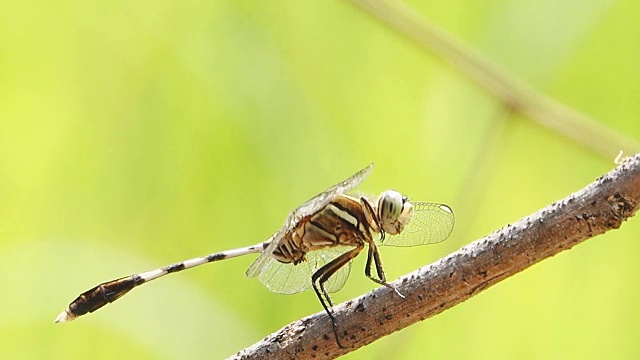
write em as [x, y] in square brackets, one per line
[374, 256]
[323, 274]
[371, 216]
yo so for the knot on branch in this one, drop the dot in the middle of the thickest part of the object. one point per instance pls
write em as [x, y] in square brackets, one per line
[621, 208]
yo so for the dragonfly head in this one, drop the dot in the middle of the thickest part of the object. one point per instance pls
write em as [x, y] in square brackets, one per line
[394, 211]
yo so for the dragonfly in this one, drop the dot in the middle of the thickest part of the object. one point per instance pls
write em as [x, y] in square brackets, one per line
[314, 248]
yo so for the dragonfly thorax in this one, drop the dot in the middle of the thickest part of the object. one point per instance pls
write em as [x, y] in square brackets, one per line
[345, 221]
[341, 222]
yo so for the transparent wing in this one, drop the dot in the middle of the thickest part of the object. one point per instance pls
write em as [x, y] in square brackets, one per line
[290, 279]
[265, 257]
[310, 207]
[319, 201]
[431, 223]
[285, 278]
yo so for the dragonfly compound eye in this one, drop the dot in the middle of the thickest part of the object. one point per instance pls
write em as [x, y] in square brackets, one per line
[390, 206]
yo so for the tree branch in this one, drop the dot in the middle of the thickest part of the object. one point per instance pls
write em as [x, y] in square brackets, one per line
[514, 94]
[601, 206]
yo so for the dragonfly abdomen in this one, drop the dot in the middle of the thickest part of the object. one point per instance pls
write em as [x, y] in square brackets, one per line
[99, 296]
[110, 291]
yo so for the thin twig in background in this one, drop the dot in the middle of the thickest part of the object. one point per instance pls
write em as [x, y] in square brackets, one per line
[601, 206]
[514, 94]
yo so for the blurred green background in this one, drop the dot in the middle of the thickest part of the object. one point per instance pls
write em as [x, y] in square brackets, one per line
[137, 134]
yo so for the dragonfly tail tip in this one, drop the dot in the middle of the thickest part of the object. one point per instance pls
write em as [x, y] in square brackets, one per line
[64, 316]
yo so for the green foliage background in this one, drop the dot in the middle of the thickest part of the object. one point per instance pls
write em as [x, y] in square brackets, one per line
[137, 134]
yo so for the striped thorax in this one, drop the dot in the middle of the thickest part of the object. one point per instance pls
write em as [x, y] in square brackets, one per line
[345, 221]
[340, 222]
